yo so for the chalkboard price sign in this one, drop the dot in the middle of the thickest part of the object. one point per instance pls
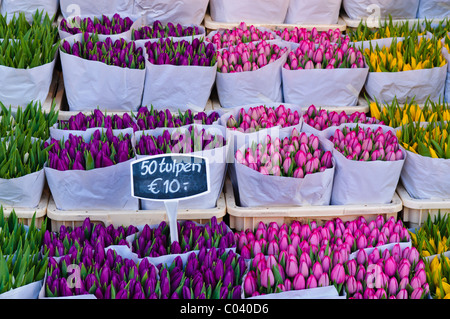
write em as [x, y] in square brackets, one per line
[170, 177]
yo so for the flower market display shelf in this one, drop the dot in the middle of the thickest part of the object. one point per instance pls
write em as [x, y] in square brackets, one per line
[415, 211]
[375, 23]
[61, 101]
[211, 25]
[242, 218]
[25, 214]
[127, 217]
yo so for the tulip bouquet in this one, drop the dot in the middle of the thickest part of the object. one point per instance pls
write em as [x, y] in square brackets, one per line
[209, 274]
[104, 25]
[156, 241]
[192, 139]
[240, 34]
[97, 118]
[387, 64]
[260, 117]
[150, 118]
[192, 63]
[297, 35]
[296, 156]
[388, 29]
[432, 238]
[248, 56]
[335, 236]
[320, 119]
[70, 240]
[103, 150]
[158, 30]
[395, 273]
[367, 144]
[290, 272]
[105, 275]
[395, 114]
[438, 276]
[114, 53]
[20, 261]
[168, 51]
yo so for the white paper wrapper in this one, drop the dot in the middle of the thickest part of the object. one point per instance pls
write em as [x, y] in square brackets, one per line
[260, 86]
[420, 84]
[425, 177]
[256, 189]
[447, 80]
[361, 182]
[433, 9]
[217, 169]
[176, 86]
[338, 87]
[20, 86]
[25, 191]
[260, 11]
[93, 84]
[106, 188]
[14, 7]
[70, 8]
[30, 291]
[360, 9]
[175, 11]
[329, 292]
[316, 12]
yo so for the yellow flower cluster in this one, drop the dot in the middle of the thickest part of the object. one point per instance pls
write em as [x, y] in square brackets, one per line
[413, 53]
[438, 277]
[432, 238]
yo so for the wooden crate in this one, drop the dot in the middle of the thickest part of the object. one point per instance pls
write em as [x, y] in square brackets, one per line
[242, 218]
[415, 211]
[118, 218]
[211, 25]
[25, 214]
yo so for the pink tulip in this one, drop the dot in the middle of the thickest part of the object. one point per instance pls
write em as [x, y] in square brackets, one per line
[299, 282]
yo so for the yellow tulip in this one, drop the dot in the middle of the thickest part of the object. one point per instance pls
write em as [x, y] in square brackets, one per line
[447, 296]
[425, 253]
[446, 287]
[435, 264]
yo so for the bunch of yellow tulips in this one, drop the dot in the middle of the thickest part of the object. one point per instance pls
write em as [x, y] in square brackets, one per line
[413, 53]
[395, 114]
[438, 276]
[432, 238]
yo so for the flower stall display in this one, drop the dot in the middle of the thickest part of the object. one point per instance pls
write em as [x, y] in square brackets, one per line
[318, 12]
[242, 33]
[250, 73]
[70, 240]
[379, 9]
[427, 150]
[395, 273]
[27, 59]
[392, 66]
[317, 120]
[291, 169]
[114, 26]
[193, 64]
[85, 59]
[9, 8]
[22, 267]
[78, 171]
[432, 238]
[175, 31]
[209, 142]
[329, 74]
[261, 11]
[438, 276]
[369, 161]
